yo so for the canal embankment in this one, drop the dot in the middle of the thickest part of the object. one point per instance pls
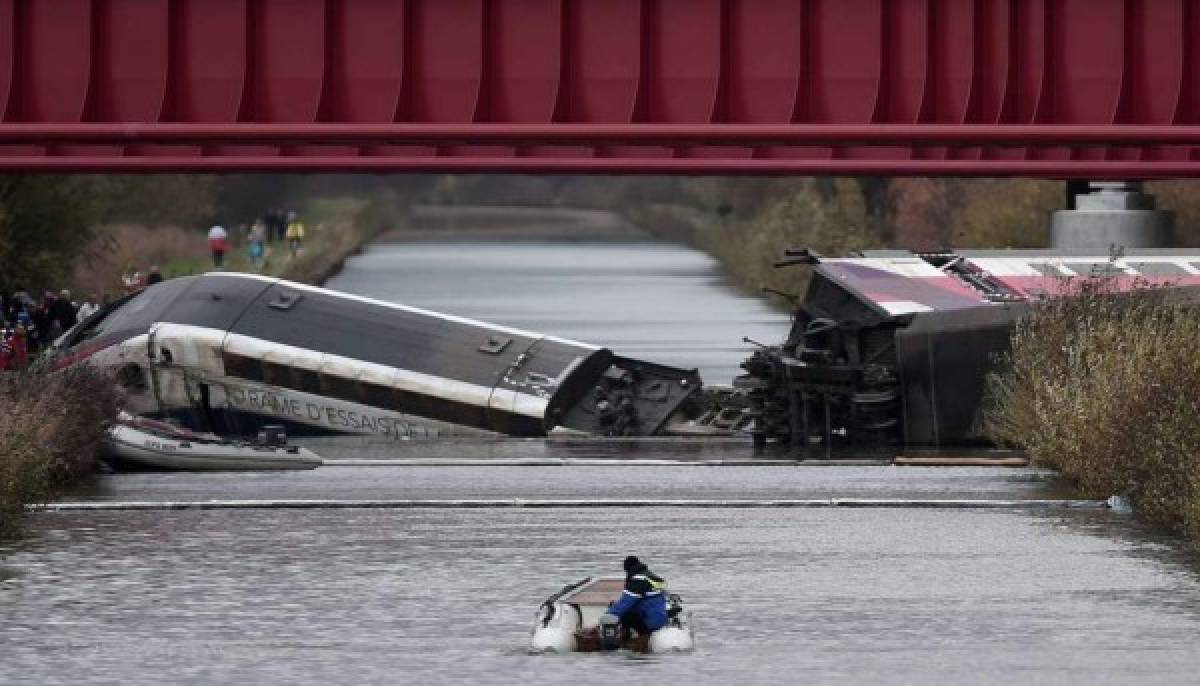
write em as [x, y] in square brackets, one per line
[336, 228]
[51, 426]
[1099, 387]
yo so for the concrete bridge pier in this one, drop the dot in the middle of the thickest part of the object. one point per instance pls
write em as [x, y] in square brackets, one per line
[1110, 215]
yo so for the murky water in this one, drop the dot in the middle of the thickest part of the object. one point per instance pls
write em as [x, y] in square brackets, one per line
[649, 300]
[446, 596]
[654, 481]
[428, 596]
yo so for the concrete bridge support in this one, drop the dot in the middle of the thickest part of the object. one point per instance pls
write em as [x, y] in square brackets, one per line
[1110, 216]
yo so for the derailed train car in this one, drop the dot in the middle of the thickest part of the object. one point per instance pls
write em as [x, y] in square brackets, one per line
[894, 347]
[228, 353]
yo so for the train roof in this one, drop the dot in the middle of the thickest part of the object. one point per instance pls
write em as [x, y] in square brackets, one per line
[899, 282]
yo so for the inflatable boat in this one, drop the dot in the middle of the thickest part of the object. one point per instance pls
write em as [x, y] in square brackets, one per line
[145, 444]
[570, 621]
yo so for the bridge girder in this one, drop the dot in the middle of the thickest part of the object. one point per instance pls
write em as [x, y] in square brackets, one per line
[1056, 88]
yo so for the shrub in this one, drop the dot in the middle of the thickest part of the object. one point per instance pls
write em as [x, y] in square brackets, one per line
[51, 426]
[832, 222]
[1099, 387]
[120, 248]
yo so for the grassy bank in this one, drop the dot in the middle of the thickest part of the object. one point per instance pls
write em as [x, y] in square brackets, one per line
[50, 430]
[1100, 388]
[336, 229]
[747, 223]
[746, 226]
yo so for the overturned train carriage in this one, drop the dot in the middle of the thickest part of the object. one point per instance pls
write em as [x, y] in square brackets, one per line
[894, 347]
[229, 352]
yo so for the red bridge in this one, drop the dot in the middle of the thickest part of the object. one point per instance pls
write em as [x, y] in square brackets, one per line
[1060, 88]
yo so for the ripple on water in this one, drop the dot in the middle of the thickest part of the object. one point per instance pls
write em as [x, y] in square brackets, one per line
[367, 596]
[447, 596]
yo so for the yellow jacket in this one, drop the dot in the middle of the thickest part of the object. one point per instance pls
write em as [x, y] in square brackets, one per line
[295, 230]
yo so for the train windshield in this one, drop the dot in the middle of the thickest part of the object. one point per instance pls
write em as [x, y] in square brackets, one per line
[129, 316]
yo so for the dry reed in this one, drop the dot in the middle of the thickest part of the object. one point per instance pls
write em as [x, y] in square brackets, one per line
[51, 426]
[1101, 388]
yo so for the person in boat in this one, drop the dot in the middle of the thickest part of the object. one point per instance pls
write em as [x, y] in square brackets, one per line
[643, 604]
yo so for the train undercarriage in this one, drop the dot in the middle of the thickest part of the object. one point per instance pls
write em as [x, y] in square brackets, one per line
[893, 348]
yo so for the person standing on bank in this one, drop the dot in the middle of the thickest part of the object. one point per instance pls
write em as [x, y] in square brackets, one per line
[217, 245]
[643, 604]
[258, 242]
[154, 275]
[295, 233]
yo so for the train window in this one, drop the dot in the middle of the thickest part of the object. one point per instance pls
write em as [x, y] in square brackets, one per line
[277, 374]
[243, 367]
[308, 381]
[93, 325]
[133, 314]
[337, 387]
[377, 395]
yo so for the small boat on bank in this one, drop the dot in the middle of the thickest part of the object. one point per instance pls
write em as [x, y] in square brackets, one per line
[139, 443]
[569, 621]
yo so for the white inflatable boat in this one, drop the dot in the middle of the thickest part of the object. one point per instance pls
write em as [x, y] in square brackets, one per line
[140, 443]
[569, 621]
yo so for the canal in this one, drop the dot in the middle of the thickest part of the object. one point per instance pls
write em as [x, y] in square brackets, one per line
[423, 595]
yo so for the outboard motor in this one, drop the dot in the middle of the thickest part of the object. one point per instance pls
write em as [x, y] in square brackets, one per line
[610, 633]
[674, 608]
[273, 436]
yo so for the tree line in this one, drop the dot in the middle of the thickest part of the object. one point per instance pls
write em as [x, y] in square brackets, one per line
[50, 224]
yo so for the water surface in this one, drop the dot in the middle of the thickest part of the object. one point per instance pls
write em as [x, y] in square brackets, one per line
[431, 596]
[358, 596]
[656, 301]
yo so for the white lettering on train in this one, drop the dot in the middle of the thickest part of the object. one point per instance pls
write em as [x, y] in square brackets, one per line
[284, 406]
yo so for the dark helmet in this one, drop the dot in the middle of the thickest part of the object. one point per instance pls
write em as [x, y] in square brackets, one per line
[631, 564]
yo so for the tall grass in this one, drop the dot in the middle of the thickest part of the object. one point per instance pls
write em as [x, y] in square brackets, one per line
[118, 249]
[51, 426]
[748, 247]
[1102, 387]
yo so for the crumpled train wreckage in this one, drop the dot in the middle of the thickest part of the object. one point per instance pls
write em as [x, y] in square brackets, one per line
[894, 348]
[887, 348]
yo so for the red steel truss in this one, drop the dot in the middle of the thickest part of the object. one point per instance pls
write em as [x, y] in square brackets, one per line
[1058, 88]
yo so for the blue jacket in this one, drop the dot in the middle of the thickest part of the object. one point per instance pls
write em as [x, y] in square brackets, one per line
[644, 596]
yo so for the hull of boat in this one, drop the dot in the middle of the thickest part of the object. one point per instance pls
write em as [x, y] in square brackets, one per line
[129, 447]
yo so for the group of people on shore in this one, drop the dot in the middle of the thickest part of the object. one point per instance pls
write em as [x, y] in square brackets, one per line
[274, 226]
[28, 325]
